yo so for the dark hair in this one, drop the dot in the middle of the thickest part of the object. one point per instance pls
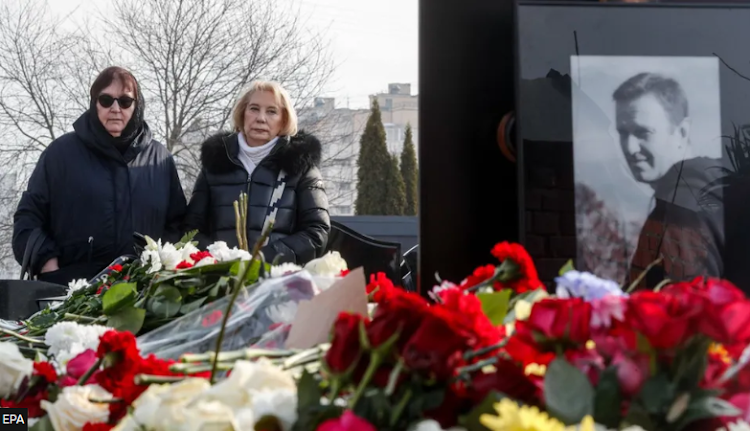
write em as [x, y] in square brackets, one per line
[107, 77]
[667, 91]
[110, 75]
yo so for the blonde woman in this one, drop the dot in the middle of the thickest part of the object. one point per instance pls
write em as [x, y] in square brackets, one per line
[276, 166]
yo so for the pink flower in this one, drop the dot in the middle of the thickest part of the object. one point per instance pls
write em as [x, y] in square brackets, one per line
[78, 366]
[631, 373]
[605, 309]
[347, 422]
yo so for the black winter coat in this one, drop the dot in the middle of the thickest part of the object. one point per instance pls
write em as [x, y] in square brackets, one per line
[302, 222]
[89, 199]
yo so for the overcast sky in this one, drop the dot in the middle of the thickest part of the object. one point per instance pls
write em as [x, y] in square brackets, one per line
[373, 41]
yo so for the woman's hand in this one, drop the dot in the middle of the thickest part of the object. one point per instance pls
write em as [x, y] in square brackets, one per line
[50, 266]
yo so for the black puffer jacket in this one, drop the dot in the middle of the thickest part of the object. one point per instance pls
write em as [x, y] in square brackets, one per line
[88, 199]
[302, 222]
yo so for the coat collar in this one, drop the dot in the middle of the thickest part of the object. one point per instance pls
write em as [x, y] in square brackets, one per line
[295, 155]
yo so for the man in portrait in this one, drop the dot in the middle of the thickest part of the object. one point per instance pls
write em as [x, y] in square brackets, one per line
[682, 228]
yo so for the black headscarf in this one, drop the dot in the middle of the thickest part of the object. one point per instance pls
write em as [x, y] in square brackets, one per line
[133, 130]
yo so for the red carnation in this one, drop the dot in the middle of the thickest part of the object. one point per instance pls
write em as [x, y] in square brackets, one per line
[527, 277]
[46, 371]
[380, 285]
[200, 255]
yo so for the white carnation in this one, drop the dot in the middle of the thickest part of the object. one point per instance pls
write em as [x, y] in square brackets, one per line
[284, 269]
[75, 285]
[68, 339]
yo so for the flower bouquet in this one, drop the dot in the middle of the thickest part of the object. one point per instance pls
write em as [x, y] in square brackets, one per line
[493, 352]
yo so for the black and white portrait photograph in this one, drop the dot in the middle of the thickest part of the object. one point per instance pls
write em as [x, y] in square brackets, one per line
[647, 150]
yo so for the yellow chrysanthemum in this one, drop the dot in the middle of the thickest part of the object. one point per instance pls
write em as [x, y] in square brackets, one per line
[587, 424]
[512, 417]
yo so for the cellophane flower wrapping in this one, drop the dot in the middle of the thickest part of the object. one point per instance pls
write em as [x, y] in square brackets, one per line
[260, 317]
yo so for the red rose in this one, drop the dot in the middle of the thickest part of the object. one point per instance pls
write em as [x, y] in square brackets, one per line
[345, 348]
[726, 311]
[523, 348]
[437, 346]
[562, 319]
[452, 407]
[78, 366]
[46, 371]
[347, 422]
[508, 378]
[666, 320]
[400, 312]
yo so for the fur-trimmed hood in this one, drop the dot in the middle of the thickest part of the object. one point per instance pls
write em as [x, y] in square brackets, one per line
[295, 155]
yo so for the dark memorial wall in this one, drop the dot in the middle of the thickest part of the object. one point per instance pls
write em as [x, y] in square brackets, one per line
[634, 138]
[468, 190]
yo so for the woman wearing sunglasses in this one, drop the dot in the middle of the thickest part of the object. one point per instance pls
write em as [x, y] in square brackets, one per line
[94, 187]
[277, 167]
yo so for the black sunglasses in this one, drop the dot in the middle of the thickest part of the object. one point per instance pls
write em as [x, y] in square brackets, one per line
[106, 101]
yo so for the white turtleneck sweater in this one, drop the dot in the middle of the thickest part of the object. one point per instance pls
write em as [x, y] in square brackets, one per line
[251, 156]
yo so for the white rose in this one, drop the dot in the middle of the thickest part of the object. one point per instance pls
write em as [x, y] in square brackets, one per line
[280, 403]
[73, 410]
[152, 409]
[201, 416]
[13, 369]
[248, 378]
[329, 264]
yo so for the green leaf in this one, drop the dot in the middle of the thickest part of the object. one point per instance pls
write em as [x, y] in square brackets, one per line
[188, 237]
[471, 420]
[118, 296]
[637, 415]
[561, 380]
[166, 301]
[495, 305]
[189, 307]
[657, 394]
[128, 319]
[607, 399]
[43, 424]
[308, 392]
[567, 267]
[704, 408]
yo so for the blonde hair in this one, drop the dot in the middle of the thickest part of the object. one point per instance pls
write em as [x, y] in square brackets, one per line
[282, 98]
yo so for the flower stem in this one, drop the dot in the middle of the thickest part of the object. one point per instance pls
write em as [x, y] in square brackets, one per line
[474, 353]
[393, 378]
[478, 366]
[400, 407]
[199, 368]
[375, 360]
[236, 355]
[147, 379]
[21, 337]
[105, 400]
[70, 316]
[335, 389]
[90, 372]
[237, 289]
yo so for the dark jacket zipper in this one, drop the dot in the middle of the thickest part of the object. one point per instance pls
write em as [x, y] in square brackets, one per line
[250, 177]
